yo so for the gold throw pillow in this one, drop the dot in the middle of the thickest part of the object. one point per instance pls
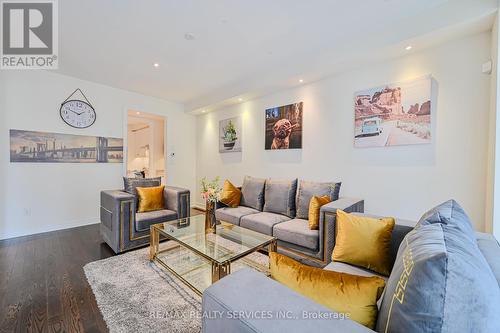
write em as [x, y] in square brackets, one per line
[231, 195]
[363, 241]
[352, 295]
[314, 206]
[150, 198]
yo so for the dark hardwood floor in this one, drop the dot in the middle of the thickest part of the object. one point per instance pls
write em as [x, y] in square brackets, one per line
[42, 284]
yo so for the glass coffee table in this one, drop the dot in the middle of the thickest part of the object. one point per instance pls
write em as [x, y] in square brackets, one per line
[199, 256]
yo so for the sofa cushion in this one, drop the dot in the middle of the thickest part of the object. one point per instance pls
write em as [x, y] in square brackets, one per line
[262, 222]
[144, 220]
[279, 196]
[363, 241]
[306, 190]
[233, 215]
[350, 269]
[297, 232]
[345, 293]
[491, 251]
[231, 195]
[440, 261]
[252, 192]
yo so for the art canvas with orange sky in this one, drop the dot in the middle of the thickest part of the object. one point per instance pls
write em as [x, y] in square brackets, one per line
[394, 114]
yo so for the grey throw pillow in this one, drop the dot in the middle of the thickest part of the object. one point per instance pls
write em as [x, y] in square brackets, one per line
[306, 190]
[440, 281]
[130, 184]
[279, 197]
[252, 192]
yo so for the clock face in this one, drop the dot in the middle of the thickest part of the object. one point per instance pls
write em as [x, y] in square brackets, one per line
[77, 113]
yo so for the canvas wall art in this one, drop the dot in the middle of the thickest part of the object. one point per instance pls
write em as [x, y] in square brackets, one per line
[29, 146]
[230, 135]
[394, 114]
[284, 127]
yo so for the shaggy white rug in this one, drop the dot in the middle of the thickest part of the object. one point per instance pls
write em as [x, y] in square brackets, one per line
[135, 295]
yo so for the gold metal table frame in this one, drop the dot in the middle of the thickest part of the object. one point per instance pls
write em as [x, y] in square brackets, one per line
[219, 268]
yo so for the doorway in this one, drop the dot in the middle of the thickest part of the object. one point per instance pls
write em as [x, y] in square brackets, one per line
[145, 145]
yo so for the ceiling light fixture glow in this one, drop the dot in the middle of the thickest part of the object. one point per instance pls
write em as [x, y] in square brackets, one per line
[240, 99]
[300, 81]
[408, 48]
[156, 65]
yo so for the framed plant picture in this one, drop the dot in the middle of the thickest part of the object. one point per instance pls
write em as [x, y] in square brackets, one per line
[230, 135]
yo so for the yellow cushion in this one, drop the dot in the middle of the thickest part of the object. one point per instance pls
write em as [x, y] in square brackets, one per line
[363, 241]
[355, 296]
[314, 206]
[150, 198]
[231, 195]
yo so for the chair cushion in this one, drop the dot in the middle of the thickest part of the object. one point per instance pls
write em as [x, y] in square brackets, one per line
[279, 197]
[440, 260]
[307, 189]
[144, 220]
[297, 232]
[252, 192]
[130, 184]
[233, 215]
[262, 222]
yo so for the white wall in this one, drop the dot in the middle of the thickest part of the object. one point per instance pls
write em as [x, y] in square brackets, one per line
[493, 180]
[401, 181]
[38, 197]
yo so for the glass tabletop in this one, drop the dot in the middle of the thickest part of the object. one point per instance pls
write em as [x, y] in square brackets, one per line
[229, 242]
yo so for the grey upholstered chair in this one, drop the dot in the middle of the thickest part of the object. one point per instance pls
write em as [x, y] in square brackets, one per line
[122, 228]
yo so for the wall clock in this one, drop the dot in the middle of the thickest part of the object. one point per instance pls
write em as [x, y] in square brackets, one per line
[77, 113]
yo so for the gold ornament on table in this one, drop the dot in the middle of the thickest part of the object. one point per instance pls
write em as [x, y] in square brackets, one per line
[211, 192]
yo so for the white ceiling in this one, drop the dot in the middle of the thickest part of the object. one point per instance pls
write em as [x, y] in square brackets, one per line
[246, 48]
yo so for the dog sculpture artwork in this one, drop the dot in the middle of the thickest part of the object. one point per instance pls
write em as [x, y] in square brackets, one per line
[282, 130]
[284, 127]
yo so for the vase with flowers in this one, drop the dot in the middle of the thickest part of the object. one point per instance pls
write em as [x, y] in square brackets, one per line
[211, 192]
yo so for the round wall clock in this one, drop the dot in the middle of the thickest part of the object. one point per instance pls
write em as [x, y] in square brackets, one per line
[77, 113]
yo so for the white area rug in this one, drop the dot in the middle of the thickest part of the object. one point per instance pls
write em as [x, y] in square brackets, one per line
[135, 295]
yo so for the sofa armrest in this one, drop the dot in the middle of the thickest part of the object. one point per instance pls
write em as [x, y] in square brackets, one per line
[327, 216]
[248, 301]
[116, 207]
[178, 200]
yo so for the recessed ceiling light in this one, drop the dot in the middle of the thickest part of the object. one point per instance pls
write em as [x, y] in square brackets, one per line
[301, 80]
[203, 111]
[156, 65]
[189, 36]
[137, 113]
[240, 99]
[408, 48]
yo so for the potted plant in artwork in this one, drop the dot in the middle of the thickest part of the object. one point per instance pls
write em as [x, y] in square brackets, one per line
[230, 136]
[211, 192]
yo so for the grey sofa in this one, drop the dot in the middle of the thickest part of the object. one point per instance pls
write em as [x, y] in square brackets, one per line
[446, 278]
[122, 228]
[280, 208]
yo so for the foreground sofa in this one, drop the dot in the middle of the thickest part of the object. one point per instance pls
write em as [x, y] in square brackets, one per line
[280, 208]
[123, 228]
[446, 278]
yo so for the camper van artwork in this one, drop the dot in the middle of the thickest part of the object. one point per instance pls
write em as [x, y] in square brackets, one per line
[394, 114]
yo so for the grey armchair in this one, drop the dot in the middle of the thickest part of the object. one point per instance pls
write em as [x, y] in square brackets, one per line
[123, 228]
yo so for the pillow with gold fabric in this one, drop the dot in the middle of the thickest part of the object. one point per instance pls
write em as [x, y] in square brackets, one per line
[364, 241]
[150, 198]
[355, 296]
[314, 206]
[231, 195]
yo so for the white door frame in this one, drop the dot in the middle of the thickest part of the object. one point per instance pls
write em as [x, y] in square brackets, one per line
[125, 137]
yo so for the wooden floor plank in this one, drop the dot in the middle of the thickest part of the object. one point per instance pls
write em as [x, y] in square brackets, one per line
[42, 284]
